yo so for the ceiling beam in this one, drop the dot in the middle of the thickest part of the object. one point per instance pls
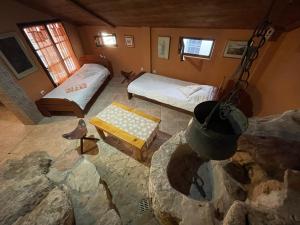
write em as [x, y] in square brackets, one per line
[91, 12]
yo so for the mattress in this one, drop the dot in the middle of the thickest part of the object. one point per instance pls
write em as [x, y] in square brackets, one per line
[82, 85]
[169, 91]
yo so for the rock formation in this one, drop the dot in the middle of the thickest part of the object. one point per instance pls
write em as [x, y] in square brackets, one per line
[55, 208]
[67, 191]
[26, 191]
[260, 184]
[172, 207]
[90, 197]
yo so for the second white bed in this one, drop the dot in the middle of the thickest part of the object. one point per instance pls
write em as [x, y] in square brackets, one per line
[177, 93]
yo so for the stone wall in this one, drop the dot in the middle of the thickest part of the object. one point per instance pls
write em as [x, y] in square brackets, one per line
[15, 99]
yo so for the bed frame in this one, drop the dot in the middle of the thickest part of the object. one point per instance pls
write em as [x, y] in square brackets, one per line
[49, 106]
[130, 95]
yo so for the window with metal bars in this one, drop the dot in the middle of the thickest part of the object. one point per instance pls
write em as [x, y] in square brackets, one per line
[52, 46]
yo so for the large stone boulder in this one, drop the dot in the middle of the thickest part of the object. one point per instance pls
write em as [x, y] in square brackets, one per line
[241, 213]
[55, 209]
[89, 195]
[67, 191]
[274, 142]
[23, 186]
[274, 155]
[285, 126]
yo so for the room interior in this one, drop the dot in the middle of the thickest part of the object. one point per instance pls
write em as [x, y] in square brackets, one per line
[149, 112]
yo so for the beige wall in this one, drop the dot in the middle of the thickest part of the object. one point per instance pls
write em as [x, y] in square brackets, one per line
[274, 84]
[74, 37]
[122, 57]
[210, 71]
[276, 79]
[206, 71]
[11, 13]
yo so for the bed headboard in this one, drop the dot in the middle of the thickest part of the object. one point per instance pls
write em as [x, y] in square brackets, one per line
[96, 59]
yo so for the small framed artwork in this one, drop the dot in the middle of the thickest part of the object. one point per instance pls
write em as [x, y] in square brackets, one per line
[163, 47]
[129, 41]
[13, 52]
[97, 40]
[235, 49]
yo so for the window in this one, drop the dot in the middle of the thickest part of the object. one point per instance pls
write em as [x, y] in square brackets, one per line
[52, 46]
[196, 47]
[106, 39]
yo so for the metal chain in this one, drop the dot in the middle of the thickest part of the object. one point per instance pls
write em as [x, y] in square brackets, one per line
[256, 41]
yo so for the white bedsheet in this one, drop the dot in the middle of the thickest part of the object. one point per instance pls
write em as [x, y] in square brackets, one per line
[93, 75]
[167, 90]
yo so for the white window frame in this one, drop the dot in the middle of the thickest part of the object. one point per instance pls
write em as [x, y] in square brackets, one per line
[197, 55]
[100, 39]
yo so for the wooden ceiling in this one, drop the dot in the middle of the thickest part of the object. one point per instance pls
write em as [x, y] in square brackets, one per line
[172, 13]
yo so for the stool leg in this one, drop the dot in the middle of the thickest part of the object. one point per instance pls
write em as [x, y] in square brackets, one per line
[81, 145]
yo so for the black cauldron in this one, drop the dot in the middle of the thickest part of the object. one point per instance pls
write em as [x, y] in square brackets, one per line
[218, 139]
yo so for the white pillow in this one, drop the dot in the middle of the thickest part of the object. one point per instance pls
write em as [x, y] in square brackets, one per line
[197, 98]
[92, 66]
[189, 90]
[91, 69]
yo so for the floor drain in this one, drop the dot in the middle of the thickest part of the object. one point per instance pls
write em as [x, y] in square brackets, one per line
[144, 205]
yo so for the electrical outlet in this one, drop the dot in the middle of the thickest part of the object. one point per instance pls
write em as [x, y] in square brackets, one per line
[154, 71]
[142, 68]
[43, 92]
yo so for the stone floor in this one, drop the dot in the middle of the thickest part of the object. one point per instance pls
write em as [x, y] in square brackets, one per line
[127, 181]
[12, 132]
[127, 178]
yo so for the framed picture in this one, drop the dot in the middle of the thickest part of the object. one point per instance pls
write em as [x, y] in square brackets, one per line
[97, 40]
[163, 47]
[13, 52]
[235, 49]
[129, 42]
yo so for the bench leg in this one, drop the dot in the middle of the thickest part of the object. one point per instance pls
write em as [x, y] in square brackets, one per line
[101, 133]
[129, 95]
[138, 154]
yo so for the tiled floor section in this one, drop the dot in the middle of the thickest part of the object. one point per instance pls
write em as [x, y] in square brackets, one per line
[127, 179]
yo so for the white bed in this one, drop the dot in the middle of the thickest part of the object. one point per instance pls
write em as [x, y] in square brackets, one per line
[91, 76]
[177, 93]
[78, 92]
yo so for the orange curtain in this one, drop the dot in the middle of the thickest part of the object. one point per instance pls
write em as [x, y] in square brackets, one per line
[55, 52]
